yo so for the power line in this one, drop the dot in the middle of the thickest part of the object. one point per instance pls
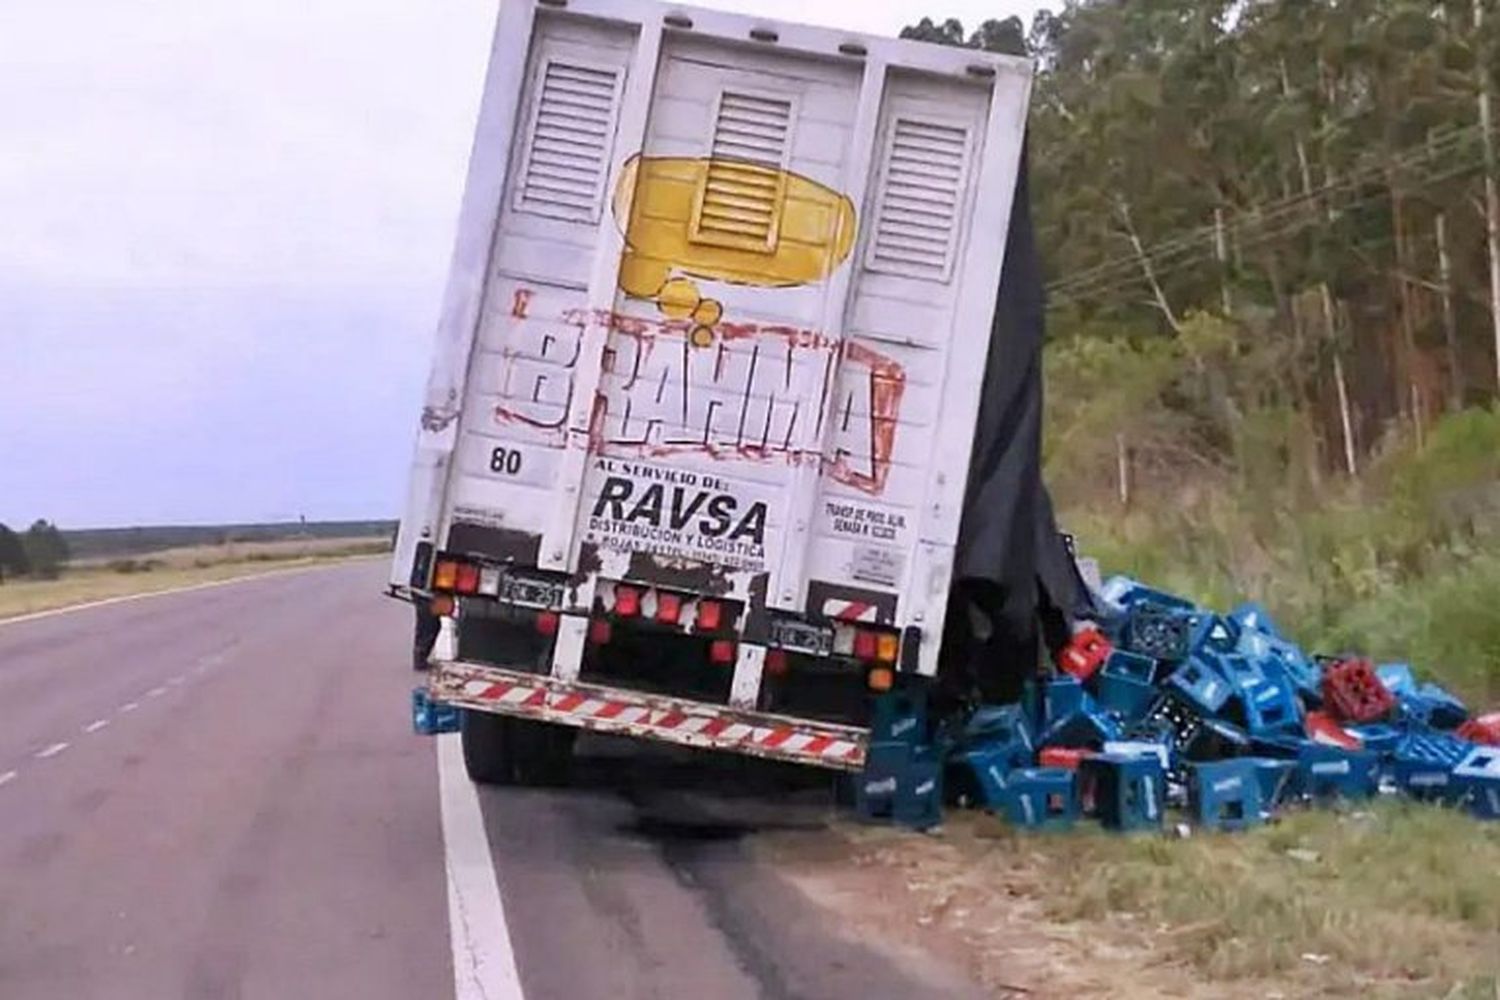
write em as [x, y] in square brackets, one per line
[1268, 214]
[1255, 239]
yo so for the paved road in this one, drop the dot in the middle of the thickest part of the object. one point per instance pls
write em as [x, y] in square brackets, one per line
[215, 794]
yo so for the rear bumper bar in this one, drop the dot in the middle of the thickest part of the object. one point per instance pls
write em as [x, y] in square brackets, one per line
[648, 716]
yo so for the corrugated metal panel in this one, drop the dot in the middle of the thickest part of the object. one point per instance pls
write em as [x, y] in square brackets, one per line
[920, 197]
[572, 130]
[741, 198]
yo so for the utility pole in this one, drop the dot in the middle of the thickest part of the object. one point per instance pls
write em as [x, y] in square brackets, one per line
[1491, 196]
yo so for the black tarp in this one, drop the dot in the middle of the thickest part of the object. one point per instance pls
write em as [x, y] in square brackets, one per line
[1015, 582]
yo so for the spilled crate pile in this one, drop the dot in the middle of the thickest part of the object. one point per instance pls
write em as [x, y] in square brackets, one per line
[1169, 704]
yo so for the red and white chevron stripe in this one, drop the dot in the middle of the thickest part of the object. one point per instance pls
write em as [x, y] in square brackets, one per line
[850, 611]
[638, 714]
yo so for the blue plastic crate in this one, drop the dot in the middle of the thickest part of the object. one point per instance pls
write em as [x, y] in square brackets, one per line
[1251, 616]
[1278, 780]
[1087, 727]
[1062, 697]
[1269, 702]
[430, 718]
[1325, 772]
[1479, 777]
[1422, 765]
[1127, 593]
[998, 724]
[1041, 798]
[1262, 648]
[1201, 684]
[1126, 697]
[988, 770]
[1172, 719]
[1444, 709]
[1225, 794]
[919, 791]
[875, 787]
[1126, 791]
[1380, 737]
[901, 715]
[1426, 747]
[1160, 633]
[1215, 633]
[1397, 678]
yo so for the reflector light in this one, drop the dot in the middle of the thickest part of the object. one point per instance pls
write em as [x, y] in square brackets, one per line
[599, 632]
[445, 576]
[627, 601]
[546, 622]
[721, 651]
[710, 615]
[886, 647]
[442, 605]
[489, 581]
[881, 679]
[668, 608]
[865, 644]
[776, 662]
[468, 579]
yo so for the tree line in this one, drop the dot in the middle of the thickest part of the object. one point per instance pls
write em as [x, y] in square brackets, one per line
[1298, 195]
[40, 551]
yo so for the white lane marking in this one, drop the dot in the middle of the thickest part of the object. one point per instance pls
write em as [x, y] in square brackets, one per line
[176, 680]
[7, 777]
[129, 706]
[325, 564]
[52, 751]
[484, 966]
[96, 725]
[157, 692]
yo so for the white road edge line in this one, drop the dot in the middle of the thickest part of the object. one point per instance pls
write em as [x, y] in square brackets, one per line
[96, 725]
[484, 965]
[7, 777]
[129, 706]
[123, 598]
[52, 751]
[157, 692]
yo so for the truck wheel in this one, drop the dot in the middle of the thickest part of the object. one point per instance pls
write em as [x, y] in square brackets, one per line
[487, 752]
[542, 752]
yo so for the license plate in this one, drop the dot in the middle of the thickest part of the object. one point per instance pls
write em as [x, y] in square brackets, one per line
[530, 593]
[800, 637]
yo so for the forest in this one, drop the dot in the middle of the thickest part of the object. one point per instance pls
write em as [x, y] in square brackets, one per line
[1270, 238]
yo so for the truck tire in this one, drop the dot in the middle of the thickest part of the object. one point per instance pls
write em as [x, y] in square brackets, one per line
[487, 754]
[541, 752]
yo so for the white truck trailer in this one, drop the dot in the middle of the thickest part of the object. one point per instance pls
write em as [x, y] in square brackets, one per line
[696, 434]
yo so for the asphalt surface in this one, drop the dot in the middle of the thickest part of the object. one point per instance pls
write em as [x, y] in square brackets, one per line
[216, 794]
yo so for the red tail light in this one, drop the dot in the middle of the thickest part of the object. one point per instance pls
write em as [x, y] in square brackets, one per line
[668, 608]
[710, 615]
[776, 662]
[599, 632]
[546, 622]
[627, 601]
[468, 579]
[866, 644]
[721, 651]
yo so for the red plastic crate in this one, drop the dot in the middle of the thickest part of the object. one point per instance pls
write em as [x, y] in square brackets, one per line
[1068, 757]
[1352, 689]
[1483, 729]
[1324, 728]
[1084, 654]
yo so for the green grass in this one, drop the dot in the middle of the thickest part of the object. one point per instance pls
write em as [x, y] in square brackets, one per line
[172, 568]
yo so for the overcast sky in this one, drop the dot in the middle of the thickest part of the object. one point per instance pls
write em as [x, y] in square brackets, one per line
[223, 234]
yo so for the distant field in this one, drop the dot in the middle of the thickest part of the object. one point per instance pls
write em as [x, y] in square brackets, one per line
[96, 543]
[99, 578]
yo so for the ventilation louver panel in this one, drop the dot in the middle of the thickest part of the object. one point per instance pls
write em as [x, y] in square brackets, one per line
[572, 132]
[921, 196]
[743, 186]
